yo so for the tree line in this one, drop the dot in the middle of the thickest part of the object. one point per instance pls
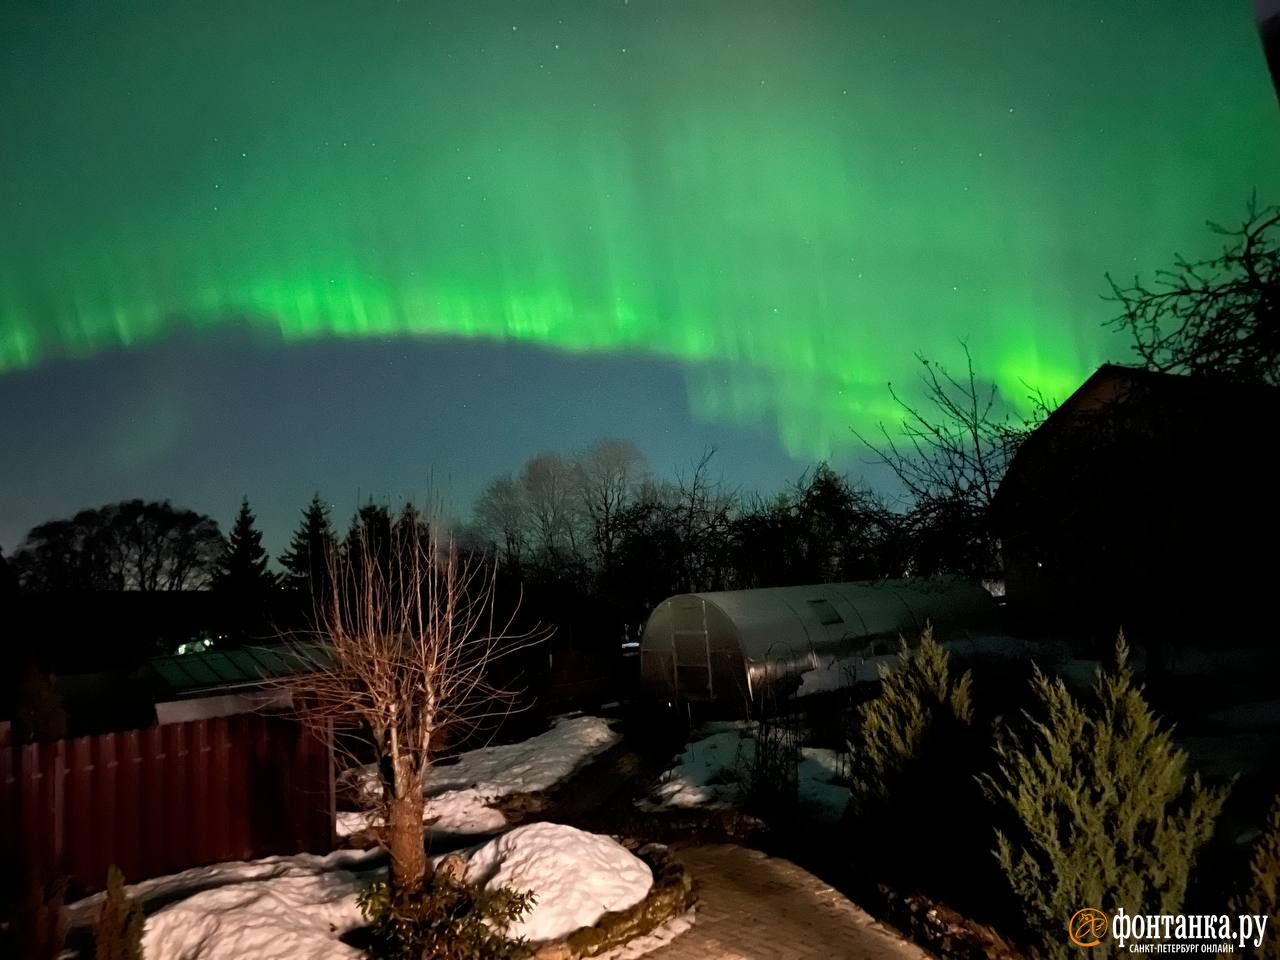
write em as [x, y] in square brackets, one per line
[596, 531]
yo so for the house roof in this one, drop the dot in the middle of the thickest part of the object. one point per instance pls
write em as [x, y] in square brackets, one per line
[1115, 383]
[189, 674]
[1160, 402]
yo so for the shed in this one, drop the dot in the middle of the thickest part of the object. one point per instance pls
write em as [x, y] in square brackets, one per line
[728, 646]
[217, 683]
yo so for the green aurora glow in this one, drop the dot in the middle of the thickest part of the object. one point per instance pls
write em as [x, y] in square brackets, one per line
[787, 199]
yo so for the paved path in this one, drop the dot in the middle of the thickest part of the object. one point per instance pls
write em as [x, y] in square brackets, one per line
[755, 907]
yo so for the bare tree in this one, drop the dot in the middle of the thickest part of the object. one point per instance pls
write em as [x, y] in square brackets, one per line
[1216, 317]
[501, 515]
[405, 650]
[949, 455]
[702, 509]
[608, 473]
[548, 483]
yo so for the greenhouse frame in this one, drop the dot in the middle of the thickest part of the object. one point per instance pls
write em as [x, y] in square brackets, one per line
[730, 646]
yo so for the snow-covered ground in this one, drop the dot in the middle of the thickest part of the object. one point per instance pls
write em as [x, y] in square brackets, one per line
[297, 908]
[177, 886]
[277, 919]
[459, 794]
[708, 773]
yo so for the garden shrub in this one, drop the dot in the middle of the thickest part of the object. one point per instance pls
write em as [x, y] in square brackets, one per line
[916, 807]
[449, 919]
[1262, 897]
[770, 774]
[1100, 809]
[117, 931]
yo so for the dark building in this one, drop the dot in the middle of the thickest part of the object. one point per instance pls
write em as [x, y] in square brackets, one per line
[1268, 12]
[1148, 501]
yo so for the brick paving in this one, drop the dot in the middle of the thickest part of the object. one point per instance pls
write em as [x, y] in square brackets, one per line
[755, 907]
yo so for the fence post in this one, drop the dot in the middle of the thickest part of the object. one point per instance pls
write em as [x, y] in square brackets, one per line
[129, 823]
[57, 781]
[332, 839]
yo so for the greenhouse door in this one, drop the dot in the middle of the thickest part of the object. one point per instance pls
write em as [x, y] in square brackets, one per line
[692, 652]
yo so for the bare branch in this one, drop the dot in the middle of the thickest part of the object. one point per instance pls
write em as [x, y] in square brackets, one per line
[404, 654]
[1215, 317]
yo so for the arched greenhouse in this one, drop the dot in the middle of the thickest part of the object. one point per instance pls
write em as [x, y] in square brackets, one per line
[728, 646]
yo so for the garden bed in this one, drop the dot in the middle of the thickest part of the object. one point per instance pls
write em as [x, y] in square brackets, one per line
[670, 896]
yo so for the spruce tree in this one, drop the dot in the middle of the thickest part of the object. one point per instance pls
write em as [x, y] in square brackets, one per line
[1262, 898]
[1099, 808]
[306, 562]
[369, 537]
[243, 570]
[244, 580]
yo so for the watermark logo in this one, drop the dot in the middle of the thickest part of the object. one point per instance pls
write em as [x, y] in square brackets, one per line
[1088, 927]
[1167, 933]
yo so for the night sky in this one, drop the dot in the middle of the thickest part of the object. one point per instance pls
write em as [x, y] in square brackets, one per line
[394, 249]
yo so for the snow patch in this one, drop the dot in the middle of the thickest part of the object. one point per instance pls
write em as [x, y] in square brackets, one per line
[820, 790]
[297, 908]
[284, 918]
[576, 876]
[174, 886]
[837, 673]
[459, 794]
[707, 774]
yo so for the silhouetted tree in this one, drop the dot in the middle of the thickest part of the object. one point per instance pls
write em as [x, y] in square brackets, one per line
[950, 454]
[822, 530]
[501, 517]
[306, 562]
[649, 555]
[133, 545]
[243, 577]
[702, 510]
[842, 530]
[368, 538]
[8, 578]
[1216, 317]
[243, 569]
[553, 509]
[607, 475]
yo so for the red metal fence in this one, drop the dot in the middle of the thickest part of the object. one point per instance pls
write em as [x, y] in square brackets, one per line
[166, 798]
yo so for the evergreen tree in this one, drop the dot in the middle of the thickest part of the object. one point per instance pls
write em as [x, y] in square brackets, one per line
[368, 538]
[1262, 898]
[243, 578]
[306, 562]
[1101, 811]
[916, 755]
[243, 569]
[117, 931]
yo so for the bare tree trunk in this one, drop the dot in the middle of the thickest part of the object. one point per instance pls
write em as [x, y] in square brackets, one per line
[406, 843]
[407, 637]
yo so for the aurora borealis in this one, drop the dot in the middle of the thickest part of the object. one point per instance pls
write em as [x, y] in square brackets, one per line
[784, 201]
